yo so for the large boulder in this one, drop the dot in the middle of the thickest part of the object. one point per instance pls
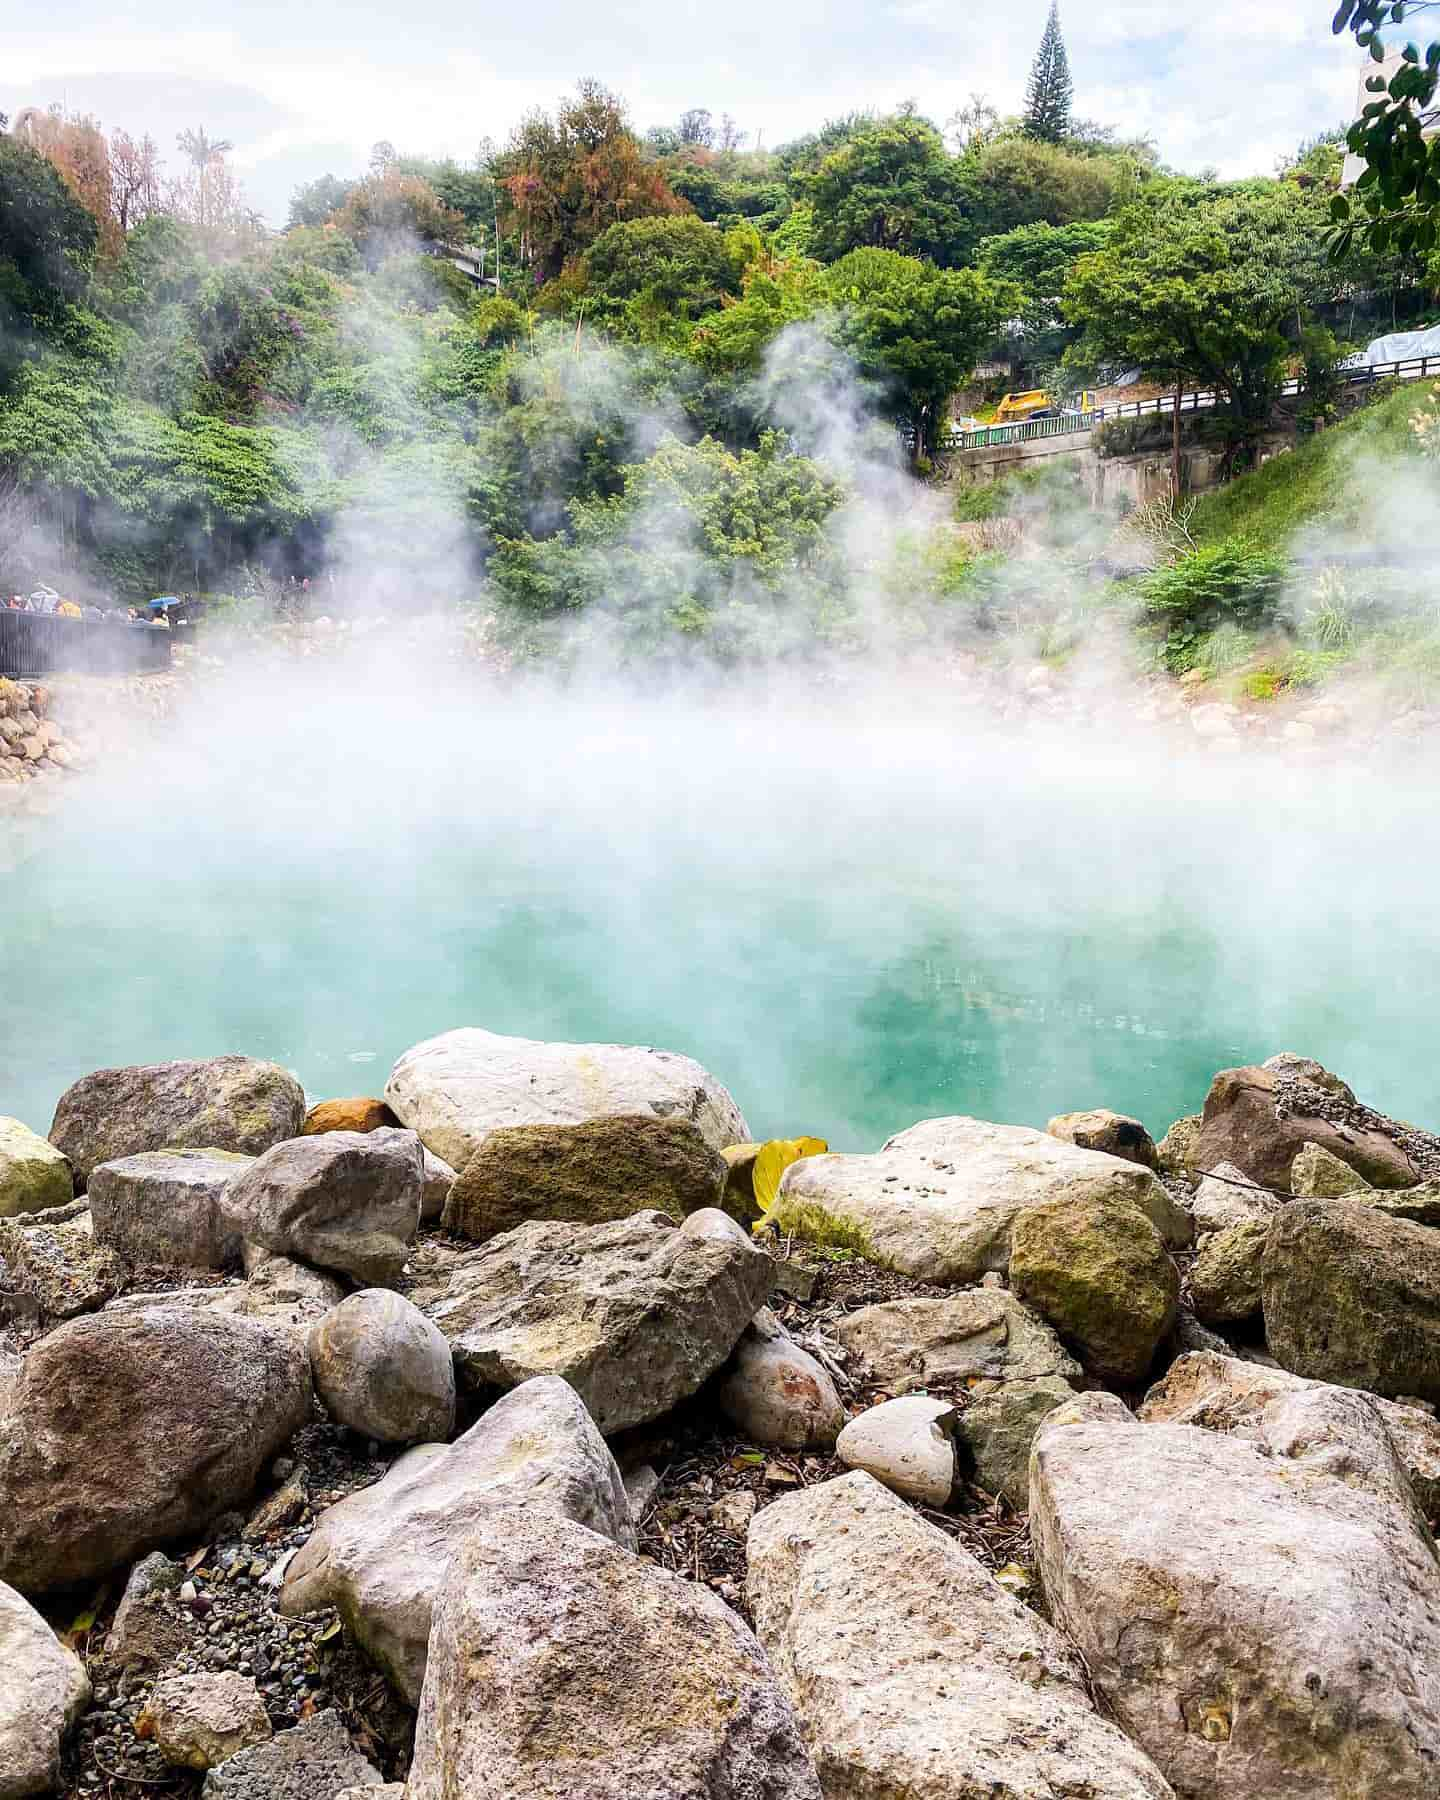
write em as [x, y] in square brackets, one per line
[978, 1339]
[584, 1174]
[1317, 1175]
[1114, 1133]
[561, 1665]
[221, 1103]
[1099, 1271]
[127, 1430]
[380, 1555]
[164, 1206]
[34, 1176]
[1224, 1393]
[1259, 1118]
[938, 1201]
[1353, 1296]
[457, 1088]
[43, 1690]
[916, 1676]
[383, 1369]
[343, 1200]
[635, 1314]
[1260, 1613]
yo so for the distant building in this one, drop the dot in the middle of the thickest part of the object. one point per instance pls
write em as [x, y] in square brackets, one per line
[1355, 165]
[469, 259]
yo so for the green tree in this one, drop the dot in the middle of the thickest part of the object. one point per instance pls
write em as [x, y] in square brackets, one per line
[916, 329]
[776, 294]
[47, 248]
[1013, 181]
[891, 186]
[676, 265]
[1203, 291]
[1049, 92]
[316, 201]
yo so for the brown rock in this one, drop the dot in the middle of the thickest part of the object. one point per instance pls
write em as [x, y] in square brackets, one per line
[1242, 1126]
[1111, 1132]
[348, 1115]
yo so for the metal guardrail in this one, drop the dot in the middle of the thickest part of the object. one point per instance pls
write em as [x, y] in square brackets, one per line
[1411, 368]
[36, 644]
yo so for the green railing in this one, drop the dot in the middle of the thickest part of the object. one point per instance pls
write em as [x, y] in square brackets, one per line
[1065, 425]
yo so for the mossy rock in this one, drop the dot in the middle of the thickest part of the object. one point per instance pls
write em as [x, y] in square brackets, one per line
[1176, 1151]
[584, 1174]
[1099, 1272]
[34, 1176]
[1225, 1276]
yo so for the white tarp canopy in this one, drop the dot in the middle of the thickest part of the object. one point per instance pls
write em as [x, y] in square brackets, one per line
[1398, 346]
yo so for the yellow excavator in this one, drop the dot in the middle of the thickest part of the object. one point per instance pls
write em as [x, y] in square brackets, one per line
[1040, 403]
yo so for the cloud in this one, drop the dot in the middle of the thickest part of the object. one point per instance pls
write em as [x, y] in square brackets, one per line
[1234, 87]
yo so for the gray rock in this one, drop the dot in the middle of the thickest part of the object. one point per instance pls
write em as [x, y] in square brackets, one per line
[1226, 1393]
[635, 1314]
[164, 1206]
[1353, 1296]
[127, 1430]
[198, 1721]
[995, 1434]
[1113, 1133]
[34, 1176]
[939, 1201]
[1317, 1175]
[1226, 1197]
[456, 1089]
[315, 1761]
[343, 1200]
[909, 1444]
[1421, 1205]
[383, 1369]
[981, 1337]
[147, 1631]
[380, 1554]
[282, 1292]
[60, 1269]
[776, 1393]
[915, 1675]
[43, 1690]
[584, 1174]
[561, 1665]
[1255, 1611]
[1225, 1275]
[221, 1103]
[439, 1179]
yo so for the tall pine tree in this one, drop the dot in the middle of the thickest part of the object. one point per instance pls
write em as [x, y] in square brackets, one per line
[1049, 93]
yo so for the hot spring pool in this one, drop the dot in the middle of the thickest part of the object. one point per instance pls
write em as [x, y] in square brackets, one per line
[855, 922]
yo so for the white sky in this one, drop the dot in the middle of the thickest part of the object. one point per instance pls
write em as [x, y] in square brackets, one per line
[302, 89]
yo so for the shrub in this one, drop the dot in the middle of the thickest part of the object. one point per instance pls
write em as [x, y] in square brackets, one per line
[1228, 583]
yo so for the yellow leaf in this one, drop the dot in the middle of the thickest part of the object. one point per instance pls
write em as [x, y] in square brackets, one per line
[771, 1163]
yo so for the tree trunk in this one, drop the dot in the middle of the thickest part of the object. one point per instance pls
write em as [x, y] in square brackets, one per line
[1175, 448]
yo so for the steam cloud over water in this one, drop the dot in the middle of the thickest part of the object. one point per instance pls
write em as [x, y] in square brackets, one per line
[854, 905]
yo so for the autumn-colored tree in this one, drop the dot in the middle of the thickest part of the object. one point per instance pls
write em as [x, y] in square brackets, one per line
[135, 183]
[76, 146]
[569, 178]
[392, 212]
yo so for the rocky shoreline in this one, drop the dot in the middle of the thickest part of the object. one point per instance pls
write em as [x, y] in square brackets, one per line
[514, 1433]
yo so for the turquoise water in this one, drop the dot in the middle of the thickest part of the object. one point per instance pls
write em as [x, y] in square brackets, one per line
[855, 922]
